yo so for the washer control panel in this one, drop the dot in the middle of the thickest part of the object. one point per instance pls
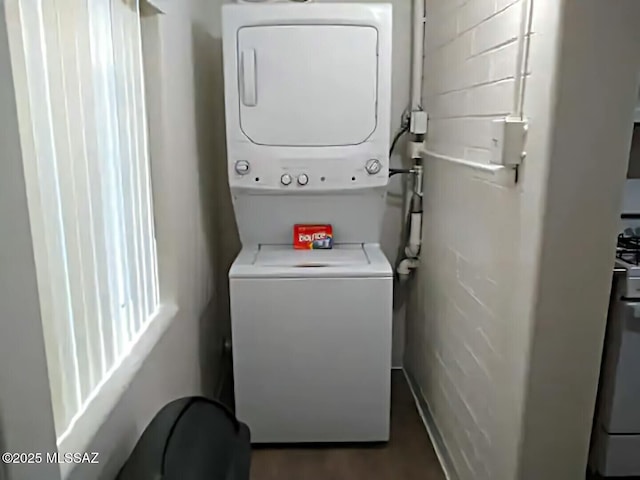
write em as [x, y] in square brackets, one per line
[310, 174]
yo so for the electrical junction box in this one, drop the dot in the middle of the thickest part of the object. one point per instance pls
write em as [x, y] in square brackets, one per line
[418, 123]
[508, 139]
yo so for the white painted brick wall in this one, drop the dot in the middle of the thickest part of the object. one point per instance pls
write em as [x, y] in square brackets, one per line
[456, 329]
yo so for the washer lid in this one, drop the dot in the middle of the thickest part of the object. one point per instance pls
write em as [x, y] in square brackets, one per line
[282, 261]
[286, 256]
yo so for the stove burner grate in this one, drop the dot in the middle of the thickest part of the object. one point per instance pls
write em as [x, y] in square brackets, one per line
[628, 249]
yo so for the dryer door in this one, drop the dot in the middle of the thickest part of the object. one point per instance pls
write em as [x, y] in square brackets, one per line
[308, 85]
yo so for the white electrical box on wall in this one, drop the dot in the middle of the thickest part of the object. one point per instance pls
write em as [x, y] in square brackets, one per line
[418, 122]
[508, 139]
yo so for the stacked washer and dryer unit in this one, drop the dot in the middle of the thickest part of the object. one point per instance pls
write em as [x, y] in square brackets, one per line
[308, 89]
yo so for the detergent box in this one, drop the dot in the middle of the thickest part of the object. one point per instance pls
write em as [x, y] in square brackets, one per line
[310, 237]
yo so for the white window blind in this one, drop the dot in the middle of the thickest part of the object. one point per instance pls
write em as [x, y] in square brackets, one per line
[79, 82]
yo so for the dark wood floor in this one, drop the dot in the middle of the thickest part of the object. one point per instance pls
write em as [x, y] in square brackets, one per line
[593, 476]
[408, 456]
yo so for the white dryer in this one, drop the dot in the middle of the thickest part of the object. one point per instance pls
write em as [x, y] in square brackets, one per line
[307, 89]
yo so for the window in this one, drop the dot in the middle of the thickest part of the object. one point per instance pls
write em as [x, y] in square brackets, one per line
[79, 81]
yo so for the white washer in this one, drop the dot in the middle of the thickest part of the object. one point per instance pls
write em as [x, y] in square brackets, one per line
[307, 97]
[312, 333]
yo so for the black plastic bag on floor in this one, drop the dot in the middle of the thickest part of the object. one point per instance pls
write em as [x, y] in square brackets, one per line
[191, 439]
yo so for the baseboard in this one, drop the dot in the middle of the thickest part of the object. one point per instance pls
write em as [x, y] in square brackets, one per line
[396, 368]
[434, 434]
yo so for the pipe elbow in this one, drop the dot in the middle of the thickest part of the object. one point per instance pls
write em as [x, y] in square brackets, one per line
[406, 266]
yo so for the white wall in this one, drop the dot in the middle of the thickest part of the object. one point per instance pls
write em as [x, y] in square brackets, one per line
[219, 220]
[458, 330]
[494, 255]
[211, 138]
[593, 76]
[26, 417]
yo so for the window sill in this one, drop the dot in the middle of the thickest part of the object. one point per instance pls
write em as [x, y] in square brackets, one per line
[154, 6]
[87, 422]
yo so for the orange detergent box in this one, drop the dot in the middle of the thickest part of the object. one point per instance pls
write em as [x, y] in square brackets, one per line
[311, 237]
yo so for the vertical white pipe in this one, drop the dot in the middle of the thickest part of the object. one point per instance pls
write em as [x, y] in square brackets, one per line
[415, 235]
[417, 49]
[523, 57]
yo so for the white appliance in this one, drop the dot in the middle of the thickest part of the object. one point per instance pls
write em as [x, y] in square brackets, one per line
[307, 89]
[615, 450]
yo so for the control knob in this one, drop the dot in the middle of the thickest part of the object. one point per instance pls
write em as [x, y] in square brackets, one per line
[286, 179]
[242, 167]
[373, 166]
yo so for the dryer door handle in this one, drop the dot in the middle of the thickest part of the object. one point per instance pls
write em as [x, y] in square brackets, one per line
[248, 78]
